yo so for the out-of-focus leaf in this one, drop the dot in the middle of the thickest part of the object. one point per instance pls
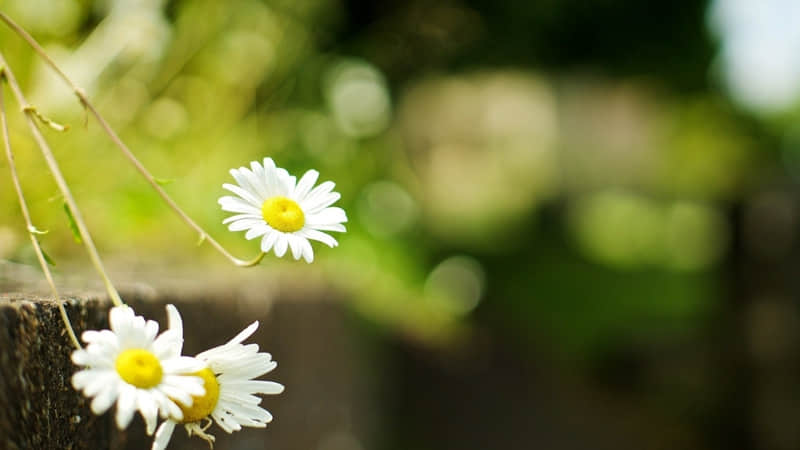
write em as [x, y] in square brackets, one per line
[48, 258]
[72, 225]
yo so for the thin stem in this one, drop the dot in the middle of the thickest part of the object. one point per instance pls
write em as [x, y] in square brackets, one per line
[29, 224]
[204, 236]
[83, 231]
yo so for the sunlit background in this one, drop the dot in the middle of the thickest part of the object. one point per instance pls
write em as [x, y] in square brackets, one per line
[573, 224]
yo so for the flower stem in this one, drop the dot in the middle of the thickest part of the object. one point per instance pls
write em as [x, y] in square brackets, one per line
[29, 225]
[52, 164]
[84, 100]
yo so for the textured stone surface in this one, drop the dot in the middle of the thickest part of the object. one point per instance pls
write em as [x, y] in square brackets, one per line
[38, 407]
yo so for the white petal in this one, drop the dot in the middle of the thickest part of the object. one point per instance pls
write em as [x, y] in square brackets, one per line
[271, 387]
[162, 402]
[105, 399]
[168, 344]
[269, 240]
[225, 421]
[256, 386]
[246, 195]
[151, 329]
[295, 244]
[257, 231]
[272, 179]
[182, 365]
[138, 323]
[81, 357]
[269, 165]
[245, 224]
[173, 410]
[244, 334]
[320, 195]
[321, 202]
[308, 252]
[126, 406]
[174, 320]
[286, 182]
[248, 415]
[238, 176]
[82, 378]
[240, 217]
[120, 318]
[258, 172]
[166, 408]
[94, 356]
[229, 397]
[239, 362]
[148, 408]
[237, 205]
[256, 184]
[332, 227]
[178, 395]
[281, 245]
[245, 179]
[163, 435]
[319, 236]
[304, 185]
[190, 384]
[322, 190]
[103, 337]
[101, 380]
[327, 216]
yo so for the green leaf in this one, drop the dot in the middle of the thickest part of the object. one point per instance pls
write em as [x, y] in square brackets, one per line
[47, 258]
[72, 225]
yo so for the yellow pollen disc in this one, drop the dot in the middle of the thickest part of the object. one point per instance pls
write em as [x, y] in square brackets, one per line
[202, 406]
[283, 214]
[139, 367]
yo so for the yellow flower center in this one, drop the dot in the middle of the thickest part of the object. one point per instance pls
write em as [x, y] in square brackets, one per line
[202, 406]
[283, 214]
[139, 367]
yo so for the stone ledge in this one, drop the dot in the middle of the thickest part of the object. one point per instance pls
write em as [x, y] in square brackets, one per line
[310, 339]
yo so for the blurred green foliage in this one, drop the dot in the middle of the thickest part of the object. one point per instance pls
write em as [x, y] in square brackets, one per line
[558, 169]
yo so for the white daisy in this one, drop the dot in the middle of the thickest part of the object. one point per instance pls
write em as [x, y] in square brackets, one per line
[129, 365]
[230, 398]
[283, 212]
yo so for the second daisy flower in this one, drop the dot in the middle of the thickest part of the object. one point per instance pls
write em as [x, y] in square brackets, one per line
[285, 213]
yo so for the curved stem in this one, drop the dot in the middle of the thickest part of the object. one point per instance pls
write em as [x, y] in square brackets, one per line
[29, 224]
[254, 261]
[83, 231]
[204, 236]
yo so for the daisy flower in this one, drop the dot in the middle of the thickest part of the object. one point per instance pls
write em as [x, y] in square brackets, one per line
[283, 212]
[230, 398]
[130, 366]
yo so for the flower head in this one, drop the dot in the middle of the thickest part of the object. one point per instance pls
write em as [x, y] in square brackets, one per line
[283, 212]
[129, 365]
[230, 398]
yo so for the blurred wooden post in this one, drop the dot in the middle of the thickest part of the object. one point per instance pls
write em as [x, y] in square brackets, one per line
[765, 277]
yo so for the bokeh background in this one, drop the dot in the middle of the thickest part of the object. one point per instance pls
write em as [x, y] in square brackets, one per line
[573, 224]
